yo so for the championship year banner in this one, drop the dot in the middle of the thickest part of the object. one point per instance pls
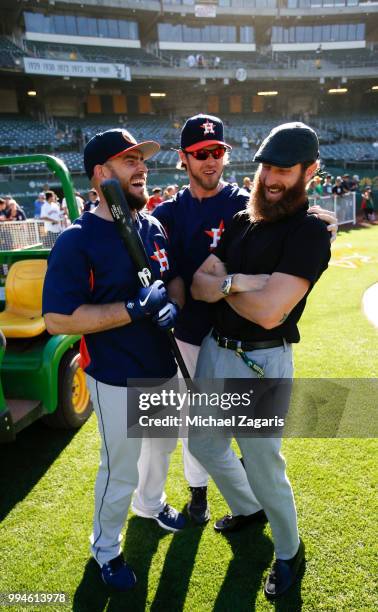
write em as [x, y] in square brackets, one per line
[76, 69]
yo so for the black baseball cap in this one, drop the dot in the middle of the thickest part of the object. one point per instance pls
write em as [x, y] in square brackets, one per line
[108, 145]
[289, 144]
[202, 131]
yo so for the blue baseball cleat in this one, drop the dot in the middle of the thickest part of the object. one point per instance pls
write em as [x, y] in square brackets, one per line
[118, 574]
[170, 519]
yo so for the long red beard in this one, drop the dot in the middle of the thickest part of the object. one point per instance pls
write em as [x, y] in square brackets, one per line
[292, 199]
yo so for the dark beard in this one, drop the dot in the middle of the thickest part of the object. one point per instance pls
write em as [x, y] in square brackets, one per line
[292, 200]
[134, 202]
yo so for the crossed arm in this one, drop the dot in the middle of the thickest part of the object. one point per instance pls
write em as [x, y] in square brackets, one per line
[261, 298]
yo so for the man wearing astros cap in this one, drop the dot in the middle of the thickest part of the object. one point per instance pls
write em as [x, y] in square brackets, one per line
[91, 288]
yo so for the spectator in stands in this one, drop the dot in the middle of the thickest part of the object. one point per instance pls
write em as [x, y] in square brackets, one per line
[38, 203]
[3, 210]
[169, 192]
[15, 212]
[367, 205]
[311, 189]
[191, 61]
[327, 185]
[79, 202]
[345, 182]
[247, 184]
[50, 214]
[64, 216]
[92, 201]
[216, 61]
[7, 199]
[200, 60]
[338, 188]
[155, 199]
[318, 186]
[318, 57]
[354, 182]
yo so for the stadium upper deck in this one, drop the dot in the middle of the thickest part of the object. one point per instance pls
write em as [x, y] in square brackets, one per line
[253, 59]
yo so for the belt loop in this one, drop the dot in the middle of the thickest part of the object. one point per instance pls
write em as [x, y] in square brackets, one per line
[284, 344]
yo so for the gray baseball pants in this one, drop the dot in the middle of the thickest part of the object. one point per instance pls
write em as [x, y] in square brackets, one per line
[265, 468]
[118, 476]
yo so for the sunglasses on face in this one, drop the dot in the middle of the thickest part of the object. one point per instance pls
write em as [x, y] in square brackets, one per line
[203, 154]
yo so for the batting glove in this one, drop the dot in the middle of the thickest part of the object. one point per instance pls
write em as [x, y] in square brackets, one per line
[148, 301]
[167, 316]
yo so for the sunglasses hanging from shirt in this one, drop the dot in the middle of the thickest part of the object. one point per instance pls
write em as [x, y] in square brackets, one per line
[203, 154]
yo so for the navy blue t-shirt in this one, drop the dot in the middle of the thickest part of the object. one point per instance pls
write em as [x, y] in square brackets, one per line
[194, 228]
[89, 264]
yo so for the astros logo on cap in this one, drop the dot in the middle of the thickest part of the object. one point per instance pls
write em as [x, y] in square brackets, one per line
[127, 136]
[208, 127]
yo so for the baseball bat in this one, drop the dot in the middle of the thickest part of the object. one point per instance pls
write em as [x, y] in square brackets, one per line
[120, 211]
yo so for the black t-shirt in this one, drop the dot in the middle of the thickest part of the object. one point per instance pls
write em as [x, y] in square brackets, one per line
[338, 190]
[298, 245]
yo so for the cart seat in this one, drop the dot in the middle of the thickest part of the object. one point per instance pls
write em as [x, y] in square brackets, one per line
[22, 317]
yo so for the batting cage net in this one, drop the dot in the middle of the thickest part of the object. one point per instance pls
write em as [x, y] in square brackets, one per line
[343, 206]
[16, 235]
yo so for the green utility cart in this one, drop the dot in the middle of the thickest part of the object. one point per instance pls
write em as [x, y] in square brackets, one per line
[41, 375]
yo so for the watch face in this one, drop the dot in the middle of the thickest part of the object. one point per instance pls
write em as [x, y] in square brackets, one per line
[226, 286]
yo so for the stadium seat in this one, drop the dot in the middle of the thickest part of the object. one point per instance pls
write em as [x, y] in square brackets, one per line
[22, 317]
[10, 54]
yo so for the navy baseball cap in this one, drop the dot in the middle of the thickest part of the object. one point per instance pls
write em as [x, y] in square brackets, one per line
[112, 143]
[289, 144]
[202, 131]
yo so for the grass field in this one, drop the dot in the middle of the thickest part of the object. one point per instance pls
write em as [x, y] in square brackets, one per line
[47, 494]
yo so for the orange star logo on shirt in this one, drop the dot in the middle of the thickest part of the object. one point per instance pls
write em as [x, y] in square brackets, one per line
[161, 256]
[215, 233]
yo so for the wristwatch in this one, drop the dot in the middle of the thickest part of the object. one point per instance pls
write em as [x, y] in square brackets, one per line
[227, 284]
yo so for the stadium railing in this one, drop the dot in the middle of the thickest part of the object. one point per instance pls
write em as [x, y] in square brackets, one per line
[17, 235]
[344, 207]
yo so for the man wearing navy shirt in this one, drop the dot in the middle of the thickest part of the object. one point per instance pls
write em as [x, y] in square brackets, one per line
[195, 220]
[91, 288]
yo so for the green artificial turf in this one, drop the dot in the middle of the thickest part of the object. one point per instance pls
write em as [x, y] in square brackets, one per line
[47, 478]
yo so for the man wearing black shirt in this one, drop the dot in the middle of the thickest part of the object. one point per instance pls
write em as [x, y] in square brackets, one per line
[339, 187]
[277, 239]
[92, 201]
